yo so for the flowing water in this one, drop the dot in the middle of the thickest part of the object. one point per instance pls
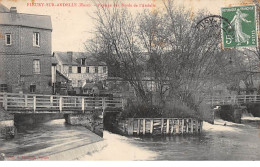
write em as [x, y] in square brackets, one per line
[216, 142]
[48, 138]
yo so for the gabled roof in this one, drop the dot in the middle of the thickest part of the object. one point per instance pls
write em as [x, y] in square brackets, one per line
[27, 20]
[3, 8]
[61, 75]
[63, 58]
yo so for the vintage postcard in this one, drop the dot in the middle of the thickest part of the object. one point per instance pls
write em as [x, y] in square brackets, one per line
[129, 80]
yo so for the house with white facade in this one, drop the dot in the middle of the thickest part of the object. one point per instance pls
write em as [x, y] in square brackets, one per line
[81, 68]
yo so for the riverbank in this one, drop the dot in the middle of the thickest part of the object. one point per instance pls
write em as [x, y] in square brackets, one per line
[7, 128]
[4, 115]
[221, 126]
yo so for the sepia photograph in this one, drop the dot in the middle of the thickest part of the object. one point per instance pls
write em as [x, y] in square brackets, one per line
[129, 80]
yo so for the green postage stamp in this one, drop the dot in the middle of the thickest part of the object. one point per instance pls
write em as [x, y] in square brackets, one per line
[241, 29]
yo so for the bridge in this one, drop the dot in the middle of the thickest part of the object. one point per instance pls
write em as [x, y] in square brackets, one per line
[35, 103]
[232, 107]
[232, 100]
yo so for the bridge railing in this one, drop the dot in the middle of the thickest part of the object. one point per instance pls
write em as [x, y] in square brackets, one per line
[34, 102]
[237, 99]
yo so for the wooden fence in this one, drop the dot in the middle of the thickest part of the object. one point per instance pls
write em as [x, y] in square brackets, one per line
[236, 99]
[157, 126]
[52, 103]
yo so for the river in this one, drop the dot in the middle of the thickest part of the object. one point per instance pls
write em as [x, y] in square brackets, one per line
[37, 140]
[217, 142]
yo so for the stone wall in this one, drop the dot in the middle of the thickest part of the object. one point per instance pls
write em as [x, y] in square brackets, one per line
[254, 109]
[231, 113]
[7, 128]
[91, 120]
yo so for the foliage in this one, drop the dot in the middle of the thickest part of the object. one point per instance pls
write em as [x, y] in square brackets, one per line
[163, 47]
[142, 111]
[172, 109]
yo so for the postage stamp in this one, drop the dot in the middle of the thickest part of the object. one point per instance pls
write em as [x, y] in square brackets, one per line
[243, 26]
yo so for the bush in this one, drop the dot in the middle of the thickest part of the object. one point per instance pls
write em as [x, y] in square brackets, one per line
[142, 111]
[171, 109]
[176, 109]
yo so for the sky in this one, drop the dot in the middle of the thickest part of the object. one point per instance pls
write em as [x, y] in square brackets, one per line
[72, 25]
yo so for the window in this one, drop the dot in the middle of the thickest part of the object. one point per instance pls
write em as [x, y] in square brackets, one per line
[104, 69]
[96, 69]
[8, 39]
[32, 88]
[70, 69]
[3, 87]
[79, 69]
[87, 69]
[36, 39]
[36, 67]
[83, 60]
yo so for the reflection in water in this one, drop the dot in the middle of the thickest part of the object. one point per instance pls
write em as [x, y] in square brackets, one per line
[216, 142]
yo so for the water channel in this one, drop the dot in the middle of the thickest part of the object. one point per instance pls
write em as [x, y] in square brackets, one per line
[217, 142]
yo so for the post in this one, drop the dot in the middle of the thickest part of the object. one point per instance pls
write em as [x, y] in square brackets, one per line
[151, 126]
[5, 101]
[130, 126]
[25, 101]
[51, 101]
[103, 104]
[234, 99]
[196, 125]
[182, 126]
[201, 124]
[34, 103]
[177, 126]
[191, 126]
[167, 126]
[83, 104]
[138, 126]
[122, 103]
[144, 126]
[187, 125]
[172, 126]
[60, 103]
[162, 126]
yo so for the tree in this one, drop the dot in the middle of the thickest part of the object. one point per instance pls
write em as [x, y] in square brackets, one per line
[165, 47]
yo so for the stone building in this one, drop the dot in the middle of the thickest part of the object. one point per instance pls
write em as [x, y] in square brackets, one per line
[81, 68]
[25, 52]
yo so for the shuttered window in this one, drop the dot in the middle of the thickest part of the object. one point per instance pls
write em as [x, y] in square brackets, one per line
[36, 39]
[36, 67]
[8, 39]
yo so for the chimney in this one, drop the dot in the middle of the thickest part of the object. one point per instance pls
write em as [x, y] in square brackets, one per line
[13, 10]
[69, 54]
